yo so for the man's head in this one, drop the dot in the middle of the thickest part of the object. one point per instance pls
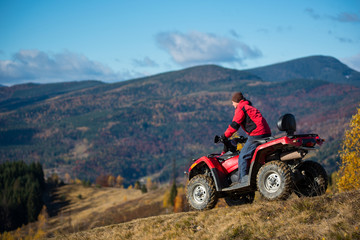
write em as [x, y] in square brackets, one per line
[236, 98]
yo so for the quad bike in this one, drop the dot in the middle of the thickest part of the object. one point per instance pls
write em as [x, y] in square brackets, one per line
[276, 170]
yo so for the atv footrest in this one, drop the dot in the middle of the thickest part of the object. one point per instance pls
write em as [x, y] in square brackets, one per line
[236, 187]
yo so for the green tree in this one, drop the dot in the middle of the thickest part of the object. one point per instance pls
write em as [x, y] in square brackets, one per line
[173, 193]
[137, 185]
[21, 188]
[31, 208]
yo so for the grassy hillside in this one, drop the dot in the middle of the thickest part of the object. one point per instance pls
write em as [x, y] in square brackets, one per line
[76, 208]
[326, 217]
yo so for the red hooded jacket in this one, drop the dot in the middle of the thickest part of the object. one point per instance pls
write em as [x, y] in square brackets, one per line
[250, 119]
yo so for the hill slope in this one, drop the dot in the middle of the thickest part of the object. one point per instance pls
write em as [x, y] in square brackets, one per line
[326, 217]
[90, 207]
[27, 94]
[73, 208]
[314, 67]
[136, 128]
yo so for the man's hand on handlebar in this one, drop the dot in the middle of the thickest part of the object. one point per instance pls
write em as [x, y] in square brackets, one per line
[241, 139]
[221, 139]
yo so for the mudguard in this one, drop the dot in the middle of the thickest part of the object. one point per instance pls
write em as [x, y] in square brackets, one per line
[215, 168]
[264, 149]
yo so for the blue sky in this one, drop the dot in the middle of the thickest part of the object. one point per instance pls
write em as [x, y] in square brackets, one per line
[50, 41]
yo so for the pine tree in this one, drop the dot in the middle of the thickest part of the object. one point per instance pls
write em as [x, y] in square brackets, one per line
[349, 172]
[143, 188]
[137, 185]
[31, 207]
[21, 188]
[166, 199]
[173, 193]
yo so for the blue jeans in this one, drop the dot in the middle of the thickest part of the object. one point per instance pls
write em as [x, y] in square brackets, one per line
[246, 154]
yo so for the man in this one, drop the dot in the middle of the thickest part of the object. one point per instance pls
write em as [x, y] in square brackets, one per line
[254, 124]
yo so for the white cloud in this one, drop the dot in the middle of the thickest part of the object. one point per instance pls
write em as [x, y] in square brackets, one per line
[200, 48]
[311, 12]
[344, 17]
[284, 29]
[38, 66]
[353, 62]
[146, 62]
[234, 33]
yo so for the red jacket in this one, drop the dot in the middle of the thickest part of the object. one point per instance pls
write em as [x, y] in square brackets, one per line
[250, 119]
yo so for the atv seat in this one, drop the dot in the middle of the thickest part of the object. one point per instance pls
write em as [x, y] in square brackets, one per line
[287, 123]
[264, 140]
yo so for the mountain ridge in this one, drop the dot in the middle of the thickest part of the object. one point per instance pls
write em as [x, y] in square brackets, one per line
[312, 67]
[137, 127]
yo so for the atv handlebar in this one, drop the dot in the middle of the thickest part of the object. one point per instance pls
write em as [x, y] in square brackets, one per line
[223, 139]
[229, 145]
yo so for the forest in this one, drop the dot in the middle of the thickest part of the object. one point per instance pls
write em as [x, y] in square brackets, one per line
[21, 190]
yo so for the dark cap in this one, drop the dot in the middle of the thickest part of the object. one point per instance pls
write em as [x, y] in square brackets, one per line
[237, 97]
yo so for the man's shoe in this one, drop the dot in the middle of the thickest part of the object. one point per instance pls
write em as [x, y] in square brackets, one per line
[233, 186]
[245, 179]
[236, 185]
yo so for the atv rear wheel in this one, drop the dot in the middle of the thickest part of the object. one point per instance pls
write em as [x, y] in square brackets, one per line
[274, 181]
[201, 193]
[240, 198]
[313, 181]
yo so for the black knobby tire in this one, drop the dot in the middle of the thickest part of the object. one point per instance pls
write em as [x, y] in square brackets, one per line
[274, 181]
[201, 193]
[236, 199]
[313, 181]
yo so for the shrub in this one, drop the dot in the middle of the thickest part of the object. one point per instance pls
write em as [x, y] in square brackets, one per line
[349, 172]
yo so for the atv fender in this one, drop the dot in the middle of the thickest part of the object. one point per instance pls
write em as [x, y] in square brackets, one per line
[204, 164]
[259, 156]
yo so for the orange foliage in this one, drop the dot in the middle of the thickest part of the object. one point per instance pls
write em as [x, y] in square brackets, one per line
[179, 202]
[119, 181]
[349, 172]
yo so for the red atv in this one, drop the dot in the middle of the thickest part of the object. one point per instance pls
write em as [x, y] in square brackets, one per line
[277, 169]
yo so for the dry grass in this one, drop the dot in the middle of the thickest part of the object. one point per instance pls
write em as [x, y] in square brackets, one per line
[91, 207]
[326, 217]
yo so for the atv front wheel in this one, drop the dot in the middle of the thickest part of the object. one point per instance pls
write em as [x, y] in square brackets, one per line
[313, 180]
[201, 193]
[274, 181]
[236, 199]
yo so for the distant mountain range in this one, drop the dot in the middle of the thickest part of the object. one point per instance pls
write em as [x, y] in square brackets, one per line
[315, 67]
[138, 127]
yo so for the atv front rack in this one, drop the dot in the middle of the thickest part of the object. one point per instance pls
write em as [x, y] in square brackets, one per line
[223, 157]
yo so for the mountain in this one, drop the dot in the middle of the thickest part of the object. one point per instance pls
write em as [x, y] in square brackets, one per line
[314, 67]
[30, 93]
[138, 127]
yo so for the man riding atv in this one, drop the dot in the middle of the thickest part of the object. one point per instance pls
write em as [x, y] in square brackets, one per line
[254, 124]
[276, 168]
